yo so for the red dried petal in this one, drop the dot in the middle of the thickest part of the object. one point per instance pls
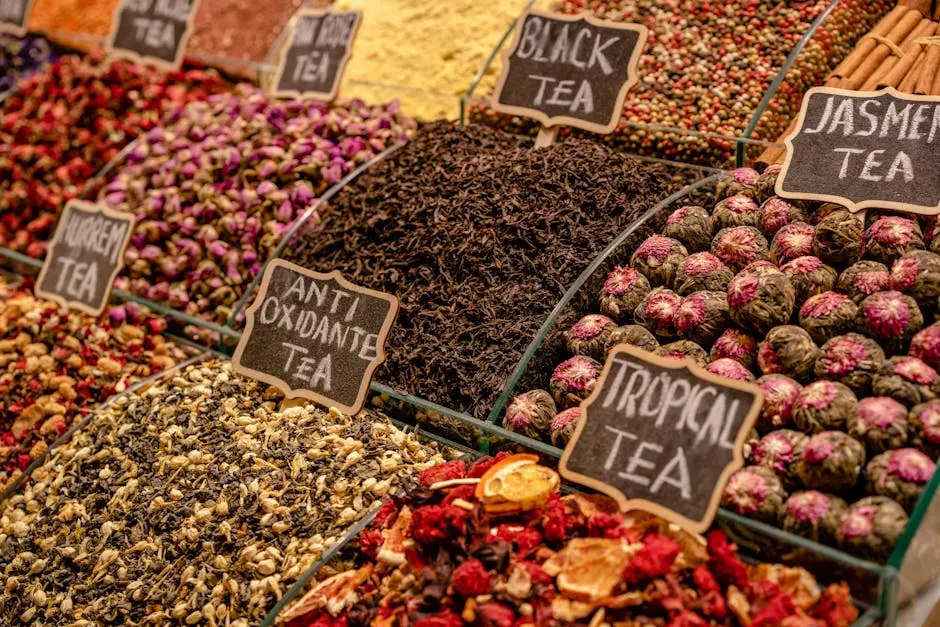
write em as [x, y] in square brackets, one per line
[479, 468]
[435, 523]
[471, 579]
[385, 517]
[705, 580]
[687, 619]
[496, 615]
[555, 523]
[772, 614]
[723, 560]
[445, 619]
[608, 526]
[655, 559]
[443, 472]
[835, 607]
[523, 538]
[370, 541]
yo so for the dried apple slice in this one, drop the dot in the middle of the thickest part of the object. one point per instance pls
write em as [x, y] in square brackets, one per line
[588, 569]
[333, 595]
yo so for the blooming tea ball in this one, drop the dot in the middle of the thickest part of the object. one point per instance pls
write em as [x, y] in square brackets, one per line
[871, 527]
[917, 274]
[907, 380]
[750, 441]
[737, 210]
[589, 336]
[735, 344]
[880, 423]
[864, 278]
[738, 181]
[851, 359]
[702, 271]
[889, 237]
[788, 350]
[780, 394]
[761, 298]
[624, 289]
[690, 225]
[702, 317]
[564, 425]
[823, 406]
[777, 451]
[767, 182]
[729, 369]
[657, 312]
[809, 276]
[792, 241]
[924, 427]
[573, 380]
[530, 414]
[684, 349]
[831, 461]
[738, 246]
[755, 492]
[634, 335]
[658, 259]
[890, 318]
[838, 238]
[827, 315]
[823, 211]
[900, 475]
[926, 345]
[814, 515]
[776, 213]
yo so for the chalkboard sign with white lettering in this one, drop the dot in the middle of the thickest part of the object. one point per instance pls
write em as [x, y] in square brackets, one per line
[573, 70]
[84, 256]
[315, 336]
[154, 31]
[13, 16]
[662, 436]
[865, 150]
[319, 45]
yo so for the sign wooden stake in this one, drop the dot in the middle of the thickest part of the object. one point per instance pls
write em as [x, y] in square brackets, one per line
[546, 137]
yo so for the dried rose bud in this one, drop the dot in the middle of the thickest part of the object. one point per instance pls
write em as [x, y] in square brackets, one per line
[823, 406]
[871, 527]
[702, 271]
[809, 276]
[792, 241]
[737, 210]
[623, 290]
[573, 381]
[777, 451]
[657, 312]
[838, 238]
[729, 369]
[827, 315]
[900, 475]
[814, 515]
[702, 317]
[590, 335]
[563, 426]
[864, 278]
[831, 461]
[926, 345]
[761, 298]
[788, 350]
[530, 414]
[924, 428]
[889, 237]
[684, 349]
[917, 274]
[780, 395]
[880, 423]
[851, 359]
[690, 225]
[738, 246]
[891, 318]
[634, 335]
[658, 259]
[738, 181]
[776, 213]
[755, 492]
[735, 344]
[907, 380]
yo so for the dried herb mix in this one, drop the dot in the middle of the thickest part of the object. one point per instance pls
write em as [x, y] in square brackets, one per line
[478, 235]
[193, 502]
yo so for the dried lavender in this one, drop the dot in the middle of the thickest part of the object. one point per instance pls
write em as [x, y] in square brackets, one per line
[780, 395]
[573, 381]
[776, 213]
[658, 259]
[900, 475]
[891, 318]
[831, 461]
[737, 210]
[755, 492]
[788, 350]
[623, 290]
[809, 276]
[864, 278]
[851, 359]
[924, 427]
[531, 414]
[702, 271]
[822, 406]
[735, 344]
[684, 349]
[871, 527]
[690, 225]
[778, 451]
[761, 298]
[907, 380]
[657, 312]
[838, 238]
[634, 335]
[590, 336]
[880, 423]
[792, 241]
[827, 315]
[702, 317]
[917, 274]
[738, 246]
[814, 515]
[890, 237]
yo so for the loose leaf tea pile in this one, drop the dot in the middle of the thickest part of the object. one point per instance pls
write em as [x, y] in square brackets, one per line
[478, 235]
[195, 501]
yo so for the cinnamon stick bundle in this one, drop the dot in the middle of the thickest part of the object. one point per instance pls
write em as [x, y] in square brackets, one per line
[905, 63]
[887, 45]
[867, 44]
[929, 71]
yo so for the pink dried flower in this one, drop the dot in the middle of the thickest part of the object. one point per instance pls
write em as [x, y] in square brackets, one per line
[911, 465]
[730, 369]
[808, 507]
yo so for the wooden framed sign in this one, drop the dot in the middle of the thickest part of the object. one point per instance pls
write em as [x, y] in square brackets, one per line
[84, 257]
[153, 31]
[570, 70]
[662, 435]
[315, 336]
[865, 150]
[319, 45]
[13, 16]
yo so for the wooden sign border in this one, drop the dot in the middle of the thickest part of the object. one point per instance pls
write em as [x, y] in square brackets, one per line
[96, 208]
[282, 57]
[737, 460]
[550, 121]
[19, 31]
[115, 54]
[290, 392]
[854, 207]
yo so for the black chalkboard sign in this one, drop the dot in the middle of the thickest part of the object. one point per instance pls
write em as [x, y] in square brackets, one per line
[573, 70]
[155, 31]
[13, 16]
[661, 435]
[84, 256]
[319, 45]
[865, 150]
[315, 336]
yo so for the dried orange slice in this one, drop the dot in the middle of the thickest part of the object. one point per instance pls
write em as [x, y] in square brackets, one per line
[517, 483]
[588, 569]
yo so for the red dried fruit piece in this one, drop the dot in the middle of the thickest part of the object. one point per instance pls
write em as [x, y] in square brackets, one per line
[655, 559]
[524, 538]
[687, 619]
[471, 579]
[436, 523]
[772, 614]
[724, 562]
[370, 541]
[443, 472]
[496, 615]
[479, 468]
[444, 619]
[835, 607]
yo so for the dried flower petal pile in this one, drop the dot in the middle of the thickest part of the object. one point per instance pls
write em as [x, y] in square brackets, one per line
[20, 57]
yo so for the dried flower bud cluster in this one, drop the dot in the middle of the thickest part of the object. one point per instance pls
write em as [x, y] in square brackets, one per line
[20, 57]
